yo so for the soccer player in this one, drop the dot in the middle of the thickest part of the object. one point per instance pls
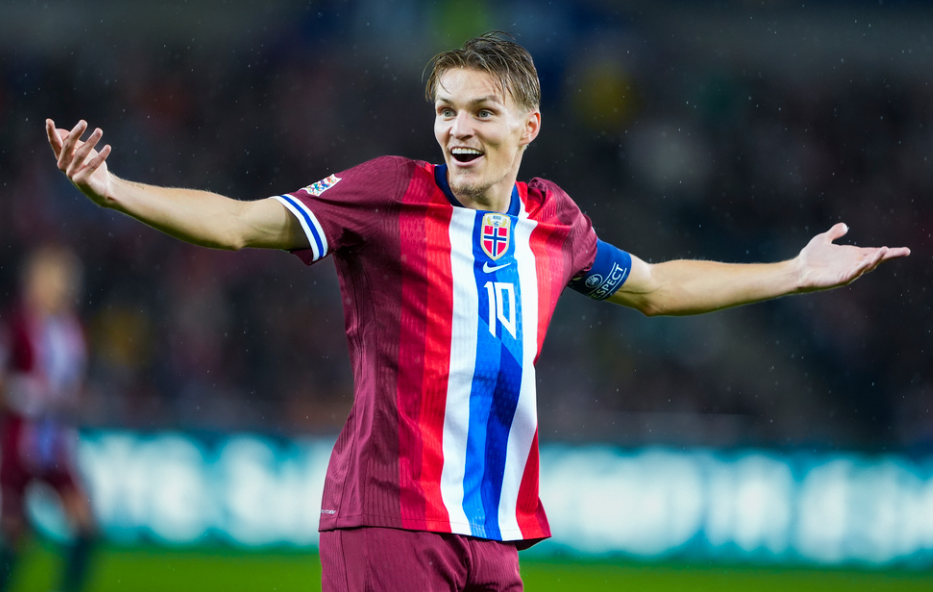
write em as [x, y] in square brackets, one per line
[449, 274]
[42, 370]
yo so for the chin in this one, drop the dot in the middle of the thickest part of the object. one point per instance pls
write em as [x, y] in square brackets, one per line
[472, 190]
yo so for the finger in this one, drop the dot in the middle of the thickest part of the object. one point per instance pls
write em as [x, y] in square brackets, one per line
[878, 257]
[68, 144]
[98, 160]
[864, 266]
[76, 132]
[837, 231]
[54, 140]
[86, 149]
[897, 252]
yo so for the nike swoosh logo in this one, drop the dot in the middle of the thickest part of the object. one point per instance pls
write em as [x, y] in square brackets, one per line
[489, 269]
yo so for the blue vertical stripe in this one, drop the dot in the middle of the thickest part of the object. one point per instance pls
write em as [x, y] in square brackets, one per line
[505, 401]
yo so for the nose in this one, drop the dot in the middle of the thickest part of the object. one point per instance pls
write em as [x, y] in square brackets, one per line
[462, 126]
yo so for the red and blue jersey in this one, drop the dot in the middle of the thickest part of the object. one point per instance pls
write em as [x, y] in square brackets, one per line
[42, 368]
[446, 309]
[43, 359]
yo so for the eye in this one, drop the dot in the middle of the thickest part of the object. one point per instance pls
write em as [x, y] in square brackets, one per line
[485, 114]
[445, 112]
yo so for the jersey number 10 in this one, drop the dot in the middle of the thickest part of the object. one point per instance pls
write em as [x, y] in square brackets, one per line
[501, 306]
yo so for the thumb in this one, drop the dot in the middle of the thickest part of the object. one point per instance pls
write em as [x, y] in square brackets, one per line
[837, 231]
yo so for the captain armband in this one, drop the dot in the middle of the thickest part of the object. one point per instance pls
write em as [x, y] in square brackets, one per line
[609, 271]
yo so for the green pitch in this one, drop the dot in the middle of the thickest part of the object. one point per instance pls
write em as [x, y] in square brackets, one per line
[151, 569]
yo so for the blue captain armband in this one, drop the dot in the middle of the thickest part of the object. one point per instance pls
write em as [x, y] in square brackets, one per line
[609, 271]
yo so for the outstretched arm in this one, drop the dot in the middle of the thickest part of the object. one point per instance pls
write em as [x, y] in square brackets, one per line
[684, 287]
[198, 217]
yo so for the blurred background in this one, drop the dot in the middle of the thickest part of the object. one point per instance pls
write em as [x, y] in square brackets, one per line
[731, 131]
[728, 130]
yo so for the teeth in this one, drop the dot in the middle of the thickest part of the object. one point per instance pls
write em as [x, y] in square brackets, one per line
[465, 151]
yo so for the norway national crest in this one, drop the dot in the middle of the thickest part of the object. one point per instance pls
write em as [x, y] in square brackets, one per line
[496, 233]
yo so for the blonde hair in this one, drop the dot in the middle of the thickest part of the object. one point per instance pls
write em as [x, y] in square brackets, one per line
[505, 60]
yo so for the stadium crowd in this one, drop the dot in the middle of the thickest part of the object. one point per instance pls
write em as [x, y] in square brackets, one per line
[724, 160]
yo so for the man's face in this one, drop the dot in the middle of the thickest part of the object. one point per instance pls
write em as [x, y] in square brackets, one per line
[51, 285]
[482, 133]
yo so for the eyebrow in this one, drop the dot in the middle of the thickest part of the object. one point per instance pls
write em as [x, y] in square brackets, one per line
[487, 99]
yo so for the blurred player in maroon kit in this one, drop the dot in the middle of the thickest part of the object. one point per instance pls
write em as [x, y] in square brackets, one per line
[43, 357]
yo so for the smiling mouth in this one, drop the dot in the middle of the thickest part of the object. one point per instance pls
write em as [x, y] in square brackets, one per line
[465, 155]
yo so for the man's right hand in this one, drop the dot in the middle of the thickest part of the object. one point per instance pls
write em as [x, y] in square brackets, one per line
[82, 163]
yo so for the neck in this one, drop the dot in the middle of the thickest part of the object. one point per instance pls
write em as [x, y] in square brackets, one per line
[495, 198]
[498, 203]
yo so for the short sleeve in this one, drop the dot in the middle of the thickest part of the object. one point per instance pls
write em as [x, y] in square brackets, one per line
[583, 241]
[550, 203]
[345, 209]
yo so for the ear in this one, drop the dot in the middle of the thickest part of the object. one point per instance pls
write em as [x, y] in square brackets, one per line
[532, 127]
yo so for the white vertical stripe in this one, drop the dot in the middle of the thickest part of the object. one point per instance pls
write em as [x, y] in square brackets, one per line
[525, 423]
[462, 362]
